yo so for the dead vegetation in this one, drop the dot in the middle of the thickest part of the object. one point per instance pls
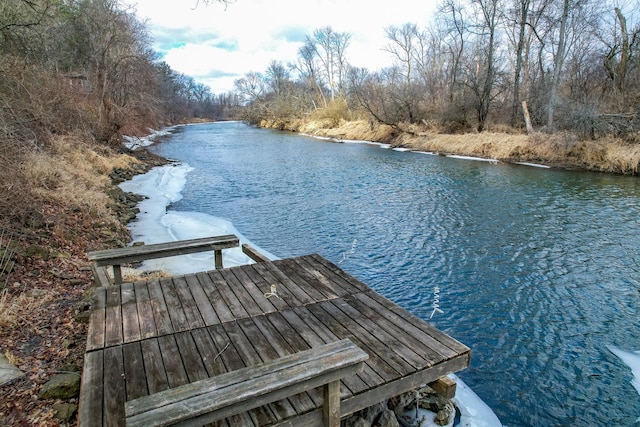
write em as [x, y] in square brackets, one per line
[44, 275]
[562, 150]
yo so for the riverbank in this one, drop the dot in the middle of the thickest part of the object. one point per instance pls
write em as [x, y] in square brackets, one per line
[45, 277]
[557, 150]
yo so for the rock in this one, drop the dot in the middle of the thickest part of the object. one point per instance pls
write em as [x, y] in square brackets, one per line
[372, 412]
[442, 418]
[61, 386]
[358, 422]
[387, 419]
[64, 411]
[8, 372]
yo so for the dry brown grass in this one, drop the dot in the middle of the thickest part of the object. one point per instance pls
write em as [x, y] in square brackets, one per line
[13, 307]
[561, 150]
[74, 174]
[357, 130]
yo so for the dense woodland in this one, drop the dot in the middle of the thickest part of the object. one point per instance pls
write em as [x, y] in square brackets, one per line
[84, 69]
[575, 63]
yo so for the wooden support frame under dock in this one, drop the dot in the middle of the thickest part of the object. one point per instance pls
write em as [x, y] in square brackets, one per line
[187, 331]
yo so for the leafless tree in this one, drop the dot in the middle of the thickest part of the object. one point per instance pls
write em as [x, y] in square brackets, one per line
[329, 48]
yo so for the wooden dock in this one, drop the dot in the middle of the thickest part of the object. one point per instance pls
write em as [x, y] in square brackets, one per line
[160, 334]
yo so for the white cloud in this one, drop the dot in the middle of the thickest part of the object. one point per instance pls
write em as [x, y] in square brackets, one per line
[215, 45]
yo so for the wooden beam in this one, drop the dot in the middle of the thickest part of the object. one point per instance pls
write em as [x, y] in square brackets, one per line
[100, 276]
[217, 259]
[133, 254]
[253, 253]
[331, 404]
[445, 387]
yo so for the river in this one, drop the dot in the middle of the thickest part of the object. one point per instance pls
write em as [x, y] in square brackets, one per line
[537, 270]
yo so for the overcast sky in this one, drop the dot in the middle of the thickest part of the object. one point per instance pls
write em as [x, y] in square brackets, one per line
[217, 46]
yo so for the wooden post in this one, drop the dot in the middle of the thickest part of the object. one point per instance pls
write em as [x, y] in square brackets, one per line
[331, 405]
[117, 274]
[218, 259]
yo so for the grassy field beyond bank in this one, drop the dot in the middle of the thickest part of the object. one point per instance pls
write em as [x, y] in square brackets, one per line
[559, 150]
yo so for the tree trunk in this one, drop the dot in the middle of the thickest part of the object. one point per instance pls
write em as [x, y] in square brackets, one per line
[524, 11]
[527, 118]
[558, 63]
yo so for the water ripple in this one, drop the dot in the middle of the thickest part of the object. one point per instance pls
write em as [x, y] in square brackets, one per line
[537, 270]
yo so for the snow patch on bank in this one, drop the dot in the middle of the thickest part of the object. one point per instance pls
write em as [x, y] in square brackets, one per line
[135, 142]
[632, 360]
[162, 186]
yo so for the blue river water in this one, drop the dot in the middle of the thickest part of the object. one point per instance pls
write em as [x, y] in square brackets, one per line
[537, 270]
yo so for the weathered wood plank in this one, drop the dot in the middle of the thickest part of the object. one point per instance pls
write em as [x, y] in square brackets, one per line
[241, 390]
[285, 343]
[130, 321]
[97, 320]
[385, 351]
[241, 293]
[302, 323]
[176, 374]
[232, 361]
[300, 403]
[374, 324]
[434, 338]
[264, 287]
[134, 371]
[100, 276]
[159, 307]
[133, 254]
[403, 331]
[286, 287]
[91, 390]
[331, 407]
[305, 292]
[445, 387]
[263, 303]
[253, 253]
[227, 295]
[113, 317]
[380, 366]
[250, 356]
[320, 277]
[219, 305]
[155, 373]
[205, 308]
[174, 306]
[226, 350]
[189, 305]
[210, 354]
[191, 359]
[339, 284]
[145, 311]
[114, 387]
[355, 283]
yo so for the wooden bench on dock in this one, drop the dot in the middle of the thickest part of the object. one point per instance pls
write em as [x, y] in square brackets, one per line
[134, 254]
[239, 391]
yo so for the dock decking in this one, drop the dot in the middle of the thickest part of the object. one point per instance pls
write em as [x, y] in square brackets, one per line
[154, 335]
